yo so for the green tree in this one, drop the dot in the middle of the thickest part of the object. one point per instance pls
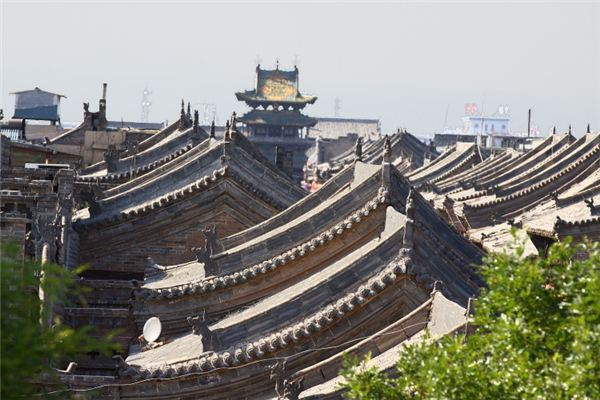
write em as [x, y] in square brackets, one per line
[29, 348]
[538, 337]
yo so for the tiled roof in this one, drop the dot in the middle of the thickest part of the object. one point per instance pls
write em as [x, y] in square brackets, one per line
[277, 118]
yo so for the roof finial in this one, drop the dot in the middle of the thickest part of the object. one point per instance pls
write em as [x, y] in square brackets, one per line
[182, 116]
[569, 129]
[408, 239]
[212, 129]
[233, 121]
[387, 148]
[358, 149]
[386, 170]
[196, 122]
[189, 112]
[554, 130]
[588, 129]
[227, 135]
[277, 64]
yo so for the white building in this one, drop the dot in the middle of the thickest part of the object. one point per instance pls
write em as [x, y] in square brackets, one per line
[472, 125]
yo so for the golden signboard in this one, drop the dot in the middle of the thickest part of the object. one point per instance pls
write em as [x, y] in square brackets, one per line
[277, 87]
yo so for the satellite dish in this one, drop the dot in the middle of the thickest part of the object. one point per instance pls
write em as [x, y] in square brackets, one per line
[152, 329]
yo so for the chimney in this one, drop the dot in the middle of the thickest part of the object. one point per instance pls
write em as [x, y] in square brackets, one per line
[102, 110]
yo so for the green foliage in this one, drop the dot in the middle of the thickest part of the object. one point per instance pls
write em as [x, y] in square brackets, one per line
[30, 349]
[539, 337]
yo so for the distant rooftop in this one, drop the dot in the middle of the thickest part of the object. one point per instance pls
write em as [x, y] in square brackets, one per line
[135, 125]
[37, 89]
[37, 104]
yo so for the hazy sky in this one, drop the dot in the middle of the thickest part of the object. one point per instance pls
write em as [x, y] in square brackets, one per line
[405, 63]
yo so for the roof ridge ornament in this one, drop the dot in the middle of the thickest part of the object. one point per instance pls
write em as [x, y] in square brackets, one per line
[227, 133]
[182, 116]
[212, 129]
[386, 169]
[200, 327]
[407, 241]
[387, 148]
[358, 149]
[196, 122]
[225, 157]
[234, 121]
[285, 389]
[278, 370]
[590, 204]
[205, 255]
[588, 129]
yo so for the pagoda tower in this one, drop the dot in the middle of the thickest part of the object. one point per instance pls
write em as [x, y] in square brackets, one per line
[275, 119]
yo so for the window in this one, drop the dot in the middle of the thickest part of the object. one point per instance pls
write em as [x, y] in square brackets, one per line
[289, 131]
[274, 131]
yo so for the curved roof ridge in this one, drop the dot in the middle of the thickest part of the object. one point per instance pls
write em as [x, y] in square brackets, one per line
[435, 168]
[524, 162]
[568, 155]
[246, 350]
[312, 200]
[488, 166]
[535, 186]
[241, 276]
[175, 195]
[162, 167]
[149, 166]
[453, 170]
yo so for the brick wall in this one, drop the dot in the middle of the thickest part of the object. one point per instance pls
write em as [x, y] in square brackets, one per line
[14, 229]
[166, 247]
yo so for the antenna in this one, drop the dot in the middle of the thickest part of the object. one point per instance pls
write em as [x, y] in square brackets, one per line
[257, 61]
[337, 107]
[146, 103]
[209, 113]
[152, 329]
[446, 118]
[482, 114]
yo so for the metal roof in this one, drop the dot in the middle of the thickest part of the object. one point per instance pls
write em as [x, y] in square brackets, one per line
[37, 89]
